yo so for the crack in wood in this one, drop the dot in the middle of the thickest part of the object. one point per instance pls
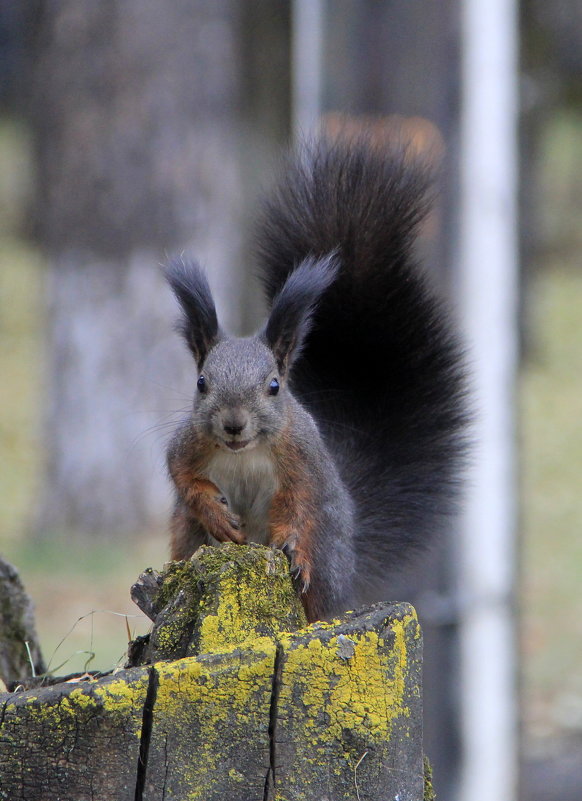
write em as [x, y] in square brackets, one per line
[146, 733]
[269, 791]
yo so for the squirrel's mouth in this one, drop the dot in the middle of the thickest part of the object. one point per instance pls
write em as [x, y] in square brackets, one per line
[237, 444]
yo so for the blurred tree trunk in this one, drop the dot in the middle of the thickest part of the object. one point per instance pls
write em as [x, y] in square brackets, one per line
[265, 117]
[135, 117]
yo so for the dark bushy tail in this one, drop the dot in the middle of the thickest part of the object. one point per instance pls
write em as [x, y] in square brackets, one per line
[381, 370]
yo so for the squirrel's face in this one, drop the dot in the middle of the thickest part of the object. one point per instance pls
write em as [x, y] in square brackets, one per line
[240, 395]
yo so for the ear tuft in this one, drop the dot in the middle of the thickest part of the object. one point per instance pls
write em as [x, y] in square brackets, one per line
[291, 315]
[199, 324]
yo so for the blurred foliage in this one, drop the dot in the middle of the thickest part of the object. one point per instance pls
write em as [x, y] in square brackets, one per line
[16, 179]
[551, 49]
[551, 426]
[551, 447]
[560, 179]
[67, 580]
[20, 334]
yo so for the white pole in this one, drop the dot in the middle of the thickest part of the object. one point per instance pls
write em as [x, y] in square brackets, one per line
[488, 270]
[307, 60]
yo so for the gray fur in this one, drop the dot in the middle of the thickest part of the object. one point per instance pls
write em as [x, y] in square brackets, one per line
[237, 374]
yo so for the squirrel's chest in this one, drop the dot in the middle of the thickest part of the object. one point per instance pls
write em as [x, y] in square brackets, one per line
[248, 481]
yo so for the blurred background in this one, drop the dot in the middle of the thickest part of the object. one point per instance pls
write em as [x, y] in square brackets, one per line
[130, 130]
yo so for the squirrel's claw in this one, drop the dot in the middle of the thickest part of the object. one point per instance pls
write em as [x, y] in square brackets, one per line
[234, 522]
[299, 569]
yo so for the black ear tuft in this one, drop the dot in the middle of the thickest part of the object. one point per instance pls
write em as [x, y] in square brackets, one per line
[291, 315]
[199, 324]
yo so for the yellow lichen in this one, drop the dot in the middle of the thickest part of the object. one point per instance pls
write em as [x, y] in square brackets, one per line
[120, 701]
[363, 694]
[265, 599]
[217, 702]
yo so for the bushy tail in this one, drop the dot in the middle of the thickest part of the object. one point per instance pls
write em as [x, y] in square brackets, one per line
[381, 370]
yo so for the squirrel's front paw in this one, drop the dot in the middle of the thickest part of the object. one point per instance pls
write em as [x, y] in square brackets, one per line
[299, 565]
[228, 528]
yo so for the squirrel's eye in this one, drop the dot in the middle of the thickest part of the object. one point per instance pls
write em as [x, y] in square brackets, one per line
[273, 387]
[201, 384]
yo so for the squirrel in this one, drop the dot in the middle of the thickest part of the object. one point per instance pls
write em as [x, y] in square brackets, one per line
[338, 432]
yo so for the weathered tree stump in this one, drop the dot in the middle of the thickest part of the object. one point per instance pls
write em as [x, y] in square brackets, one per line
[253, 705]
[19, 649]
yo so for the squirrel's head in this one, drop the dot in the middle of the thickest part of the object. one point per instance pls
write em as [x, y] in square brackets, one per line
[242, 387]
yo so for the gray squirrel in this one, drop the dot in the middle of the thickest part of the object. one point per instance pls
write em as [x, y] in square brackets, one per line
[338, 431]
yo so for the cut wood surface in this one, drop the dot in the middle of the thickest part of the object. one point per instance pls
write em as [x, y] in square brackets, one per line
[237, 699]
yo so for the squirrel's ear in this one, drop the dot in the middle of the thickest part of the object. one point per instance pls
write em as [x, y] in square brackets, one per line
[199, 324]
[293, 308]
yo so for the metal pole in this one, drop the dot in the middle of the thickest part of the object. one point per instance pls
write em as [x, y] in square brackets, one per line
[489, 279]
[307, 55]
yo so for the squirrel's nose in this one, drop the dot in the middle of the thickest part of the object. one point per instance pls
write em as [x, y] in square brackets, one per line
[233, 430]
[234, 422]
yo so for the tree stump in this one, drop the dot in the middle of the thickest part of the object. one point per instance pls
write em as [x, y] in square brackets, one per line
[20, 653]
[254, 704]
